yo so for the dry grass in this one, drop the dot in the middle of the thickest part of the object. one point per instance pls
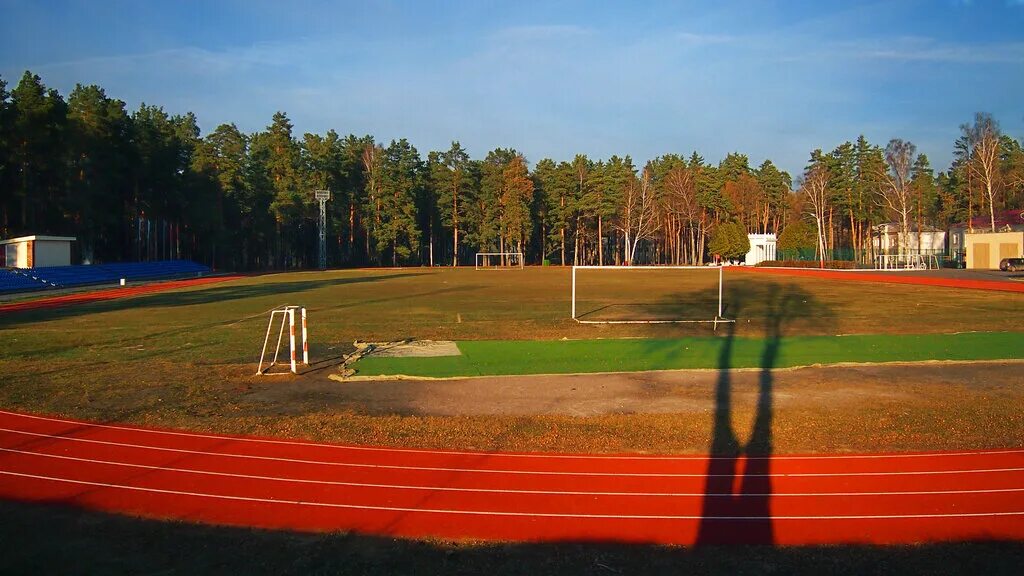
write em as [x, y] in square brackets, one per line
[185, 358]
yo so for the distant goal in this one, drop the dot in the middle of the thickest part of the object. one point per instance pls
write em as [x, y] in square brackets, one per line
[648, 295]
[499, 260]
[907, 262]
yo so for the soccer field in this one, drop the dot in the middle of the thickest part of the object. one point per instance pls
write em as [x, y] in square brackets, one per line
[187, 356]
[223, 324]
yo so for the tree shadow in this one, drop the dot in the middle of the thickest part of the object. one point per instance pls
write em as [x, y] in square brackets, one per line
[190, 297]
[738, 487]
[51, 538]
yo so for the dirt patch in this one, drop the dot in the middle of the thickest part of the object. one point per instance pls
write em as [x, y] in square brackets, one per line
[685, 391]
[417, 349]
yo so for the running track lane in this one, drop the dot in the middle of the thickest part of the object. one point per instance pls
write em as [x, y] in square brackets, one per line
[283, 484]
[891, 278]
[111, 294]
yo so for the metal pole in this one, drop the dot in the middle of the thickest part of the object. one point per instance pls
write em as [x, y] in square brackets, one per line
[279, 335]
[305, 345]
[259, 369]
[573, 292]
[323, 234]
[291, 336]
[719, 292]
[323, 196]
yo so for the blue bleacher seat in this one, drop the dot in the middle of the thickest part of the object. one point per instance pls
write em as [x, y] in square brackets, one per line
[12, 280]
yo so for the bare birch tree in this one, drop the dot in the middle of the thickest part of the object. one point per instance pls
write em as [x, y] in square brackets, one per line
[680, 203]
[637, 219]
[815, 191]
[983, 141]
[897, 195]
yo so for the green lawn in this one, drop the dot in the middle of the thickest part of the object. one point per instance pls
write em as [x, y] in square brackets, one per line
[175, 352]
[510, 357]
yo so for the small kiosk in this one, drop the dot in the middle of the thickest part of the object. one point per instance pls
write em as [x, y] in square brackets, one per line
[36, 251]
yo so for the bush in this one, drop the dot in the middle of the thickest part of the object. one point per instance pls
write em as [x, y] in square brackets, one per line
[829, 264]
[729, 240]
[796, 236]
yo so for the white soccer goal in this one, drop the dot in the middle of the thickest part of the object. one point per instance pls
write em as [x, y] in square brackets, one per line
[287, 315]
[499, 260]
[706, 299]
[907, 262]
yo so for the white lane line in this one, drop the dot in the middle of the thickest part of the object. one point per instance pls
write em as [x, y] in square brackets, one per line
[512, 454]
[521, 514]
[507, 471]
[505, 491]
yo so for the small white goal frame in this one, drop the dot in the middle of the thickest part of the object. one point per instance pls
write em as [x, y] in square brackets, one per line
[287, 315]
[518, 256]
[906, 262]
[716, 320]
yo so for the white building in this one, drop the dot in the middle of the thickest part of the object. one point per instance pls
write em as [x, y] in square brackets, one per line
[37, 251]
[1006, 221]
[762, 247]
[887, 239]
[984, 250]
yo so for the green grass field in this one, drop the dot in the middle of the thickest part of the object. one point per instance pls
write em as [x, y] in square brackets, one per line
[518, 357]
[187, 357]
[223, 324]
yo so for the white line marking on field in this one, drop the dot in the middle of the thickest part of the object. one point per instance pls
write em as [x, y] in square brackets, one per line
[514, 455]
[521, 514]
[505, 491]
[517, 472]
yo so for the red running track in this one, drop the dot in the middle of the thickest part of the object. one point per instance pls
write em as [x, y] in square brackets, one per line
[111, 294]
[284, 484]
[891, 278]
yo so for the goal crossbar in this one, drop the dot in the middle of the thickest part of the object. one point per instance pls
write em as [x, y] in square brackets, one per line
[716, 320]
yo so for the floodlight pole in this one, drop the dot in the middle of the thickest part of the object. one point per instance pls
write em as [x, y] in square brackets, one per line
[323, 196]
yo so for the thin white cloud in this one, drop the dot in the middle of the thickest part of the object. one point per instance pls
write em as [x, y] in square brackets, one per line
[927, 50]
[692, 39]
[539, 32]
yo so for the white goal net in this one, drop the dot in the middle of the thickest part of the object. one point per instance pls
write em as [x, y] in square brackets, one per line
[648, 294]
[499, 260]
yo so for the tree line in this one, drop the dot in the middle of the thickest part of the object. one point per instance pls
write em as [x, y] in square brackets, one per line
[145, 184]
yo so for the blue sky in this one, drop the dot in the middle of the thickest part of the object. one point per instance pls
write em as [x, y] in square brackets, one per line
[770, 79]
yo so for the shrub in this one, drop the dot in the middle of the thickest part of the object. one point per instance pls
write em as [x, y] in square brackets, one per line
[830, 264]
[729, 240]
[798, 235]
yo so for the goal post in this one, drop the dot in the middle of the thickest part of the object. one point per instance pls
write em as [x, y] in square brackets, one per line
[907, 262]
[713, 306]
[499, 260]
[287, 314]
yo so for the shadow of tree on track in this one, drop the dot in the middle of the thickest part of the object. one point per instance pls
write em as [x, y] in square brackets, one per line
[738, 486]
[48, 538]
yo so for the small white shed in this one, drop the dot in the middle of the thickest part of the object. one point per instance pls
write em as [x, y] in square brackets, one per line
[762, 247]
[985, 249]
[37, 251]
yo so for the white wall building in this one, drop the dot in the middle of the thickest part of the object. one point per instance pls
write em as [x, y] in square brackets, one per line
[984, 250]
[37, 251]
[887, 239]
[762, 247]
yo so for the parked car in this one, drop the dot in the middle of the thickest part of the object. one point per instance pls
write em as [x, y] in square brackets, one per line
[1012, 264]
